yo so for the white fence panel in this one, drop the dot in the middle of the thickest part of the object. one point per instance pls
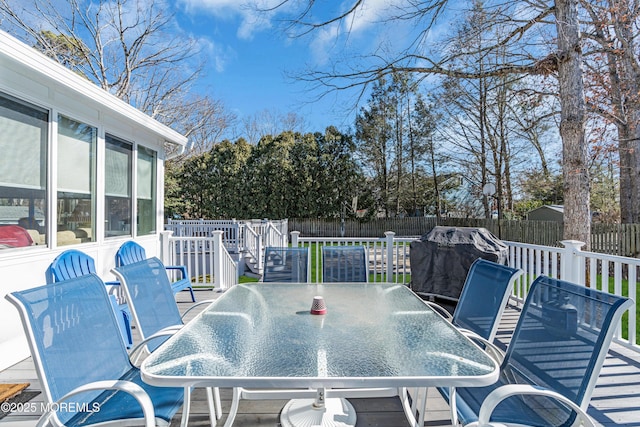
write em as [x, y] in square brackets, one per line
[207, 261]
[389, 261]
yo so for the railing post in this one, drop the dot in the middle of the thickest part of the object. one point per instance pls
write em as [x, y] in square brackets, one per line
[165, 254]
[242, 236]
[238, 244]
[389, 235]
[571, 264]
[259, 253]
[295, 235]
[218, 276]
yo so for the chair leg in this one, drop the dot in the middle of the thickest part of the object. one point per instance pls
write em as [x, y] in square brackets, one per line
[186, 407]
[452, 406]
[216, 394]
[193, 297]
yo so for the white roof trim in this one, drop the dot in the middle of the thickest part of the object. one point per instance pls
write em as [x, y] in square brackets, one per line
[14, 50]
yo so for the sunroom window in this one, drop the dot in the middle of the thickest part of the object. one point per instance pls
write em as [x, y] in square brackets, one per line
[76, 181]
[118, 187]
[146, 194]
[23, 173]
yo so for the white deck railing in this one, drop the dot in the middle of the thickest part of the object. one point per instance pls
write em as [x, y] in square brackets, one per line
[252, 246]
[608, 273]
[231, 229]
[272, 232]
[273, 235]
[246, 237]
[388, 256]
[389, 261]
[207, 260]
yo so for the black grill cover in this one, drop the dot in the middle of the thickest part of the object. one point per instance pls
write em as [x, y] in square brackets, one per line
[441, 258]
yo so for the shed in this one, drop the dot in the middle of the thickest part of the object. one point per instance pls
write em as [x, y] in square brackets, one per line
[547, 213]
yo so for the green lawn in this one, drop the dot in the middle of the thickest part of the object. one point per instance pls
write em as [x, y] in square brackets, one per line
[373, 277]
[625, 316]
[317, 264]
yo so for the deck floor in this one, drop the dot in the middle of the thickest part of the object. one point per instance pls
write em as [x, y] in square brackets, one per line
[615, 402]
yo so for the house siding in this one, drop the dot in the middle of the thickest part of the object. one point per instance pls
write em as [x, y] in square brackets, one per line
[29, 76]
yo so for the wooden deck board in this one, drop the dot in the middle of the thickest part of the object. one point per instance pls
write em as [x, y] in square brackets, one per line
[615, 402]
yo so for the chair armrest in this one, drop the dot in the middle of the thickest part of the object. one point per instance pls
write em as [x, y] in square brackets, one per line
[199, 303]
[181, 268]
[126, 386]
[440, 310]
[140, 348]
[112, 287]
[490, 348]
[503, 392]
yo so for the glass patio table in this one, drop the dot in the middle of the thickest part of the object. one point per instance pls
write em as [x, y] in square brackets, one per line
[372, 336]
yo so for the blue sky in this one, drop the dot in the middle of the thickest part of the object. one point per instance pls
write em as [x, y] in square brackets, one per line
[251, 60]
[250, 65]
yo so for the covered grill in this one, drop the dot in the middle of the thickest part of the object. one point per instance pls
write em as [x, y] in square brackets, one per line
[441, 259]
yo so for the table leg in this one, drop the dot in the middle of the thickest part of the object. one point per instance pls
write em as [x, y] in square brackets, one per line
[233, 411]
[334, 412]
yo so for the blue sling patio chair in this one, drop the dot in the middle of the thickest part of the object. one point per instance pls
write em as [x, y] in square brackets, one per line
[344, 264]
[283, 264]
[130, 252]
[82, 362]
[483, 299]
[552, 362]
[155, 312]
[73, 263]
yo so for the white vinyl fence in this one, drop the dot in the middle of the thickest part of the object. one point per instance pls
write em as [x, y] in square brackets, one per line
[209, 262]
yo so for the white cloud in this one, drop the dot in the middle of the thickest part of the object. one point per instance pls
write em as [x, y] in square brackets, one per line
[220, 56]
[369, 13]
[253, 15]
[354, 28]
[321, 45]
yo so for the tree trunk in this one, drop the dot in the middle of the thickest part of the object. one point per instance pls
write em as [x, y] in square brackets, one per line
[631, 141]
[483, 127]
[577, 212]
[627, 208]
[635, 170]
[434, 177]
[399, 153]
